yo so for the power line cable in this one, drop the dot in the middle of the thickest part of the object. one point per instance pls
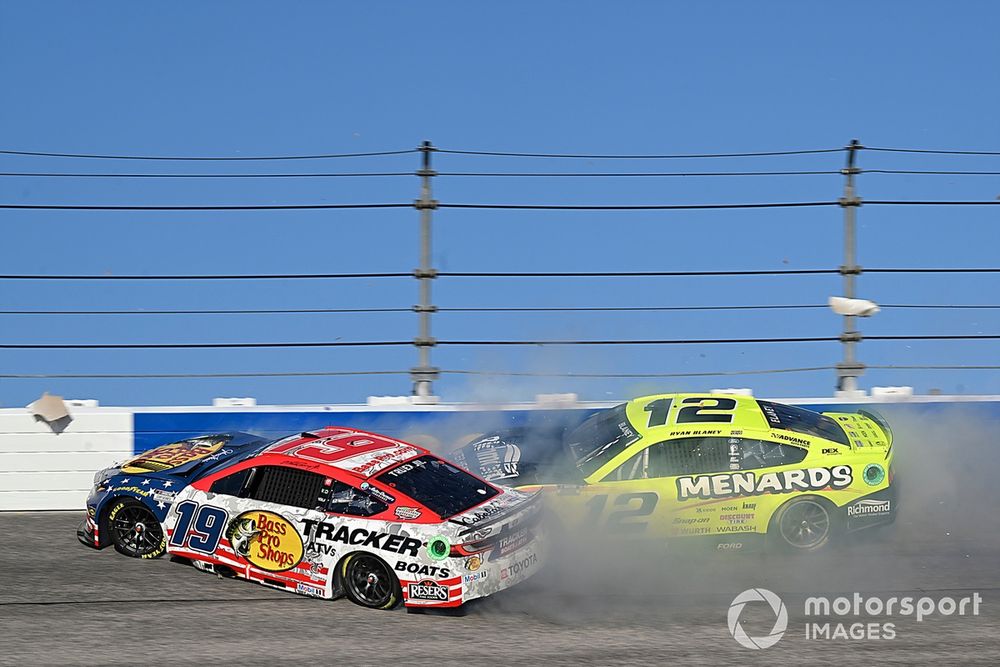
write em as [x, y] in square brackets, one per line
[883, 149]
[680, 156]
[207, 207]
[930, 172]
[661, 341]
[247, 276]
[900, 202]
[638, 207]
[117, 376]
[767, 371]
[571, 174]
[483, 343]
[229, 158]
[133, 175]
[184, 346]
[630, 274]
[275, 311]
[497, 309]
[492, 274]
[942, 367]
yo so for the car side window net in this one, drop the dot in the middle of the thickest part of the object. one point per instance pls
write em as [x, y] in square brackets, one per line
[634, 468]
[286, 486]
[688, 456]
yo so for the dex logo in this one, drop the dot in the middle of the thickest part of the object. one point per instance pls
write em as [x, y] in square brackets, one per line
[780, 620]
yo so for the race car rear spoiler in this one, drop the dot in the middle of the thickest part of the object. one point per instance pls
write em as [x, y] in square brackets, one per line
[880, 420]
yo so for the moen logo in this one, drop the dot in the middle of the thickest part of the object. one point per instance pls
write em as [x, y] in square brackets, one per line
[428, 590]
[266, 539]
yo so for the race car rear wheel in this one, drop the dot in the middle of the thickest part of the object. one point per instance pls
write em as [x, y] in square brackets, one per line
[803, 525]
[135, 530]
[369, 582]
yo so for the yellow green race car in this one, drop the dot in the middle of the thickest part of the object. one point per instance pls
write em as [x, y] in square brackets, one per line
[733, 471]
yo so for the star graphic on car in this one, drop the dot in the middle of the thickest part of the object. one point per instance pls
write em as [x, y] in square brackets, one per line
[145, 482]
[125, 480]
[159, 503]
[167, 484]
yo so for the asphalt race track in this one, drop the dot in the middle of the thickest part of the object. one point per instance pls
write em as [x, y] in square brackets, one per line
[64, 604]
[620, 603]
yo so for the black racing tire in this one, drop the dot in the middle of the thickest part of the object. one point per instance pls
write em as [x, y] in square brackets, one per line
[369, 581]
[804, 525]
[134, 529]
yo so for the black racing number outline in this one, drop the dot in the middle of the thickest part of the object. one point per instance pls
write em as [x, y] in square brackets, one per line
[616, 522]
[697, 413]
[658, 411]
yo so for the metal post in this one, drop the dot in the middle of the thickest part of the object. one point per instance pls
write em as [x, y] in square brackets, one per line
[423, 375]
[849, 370]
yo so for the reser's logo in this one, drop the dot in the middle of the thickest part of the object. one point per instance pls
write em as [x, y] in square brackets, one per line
[780, 620]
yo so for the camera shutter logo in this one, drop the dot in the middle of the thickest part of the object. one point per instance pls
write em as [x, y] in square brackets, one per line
[780, 620]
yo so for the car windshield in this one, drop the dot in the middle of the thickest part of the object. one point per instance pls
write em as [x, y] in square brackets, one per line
[440, 486]
[600, 438]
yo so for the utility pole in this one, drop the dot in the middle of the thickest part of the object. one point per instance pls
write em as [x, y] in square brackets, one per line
[850, 369]
[423, 375]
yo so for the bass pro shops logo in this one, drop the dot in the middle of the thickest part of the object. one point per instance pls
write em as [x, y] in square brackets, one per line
[266, 539]
[736, 610]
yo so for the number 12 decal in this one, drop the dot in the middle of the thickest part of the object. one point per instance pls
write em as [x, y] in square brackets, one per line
[616, 520]
[707, 413]
[200, 527]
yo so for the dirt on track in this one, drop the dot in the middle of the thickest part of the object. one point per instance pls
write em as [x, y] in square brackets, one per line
[65, 604]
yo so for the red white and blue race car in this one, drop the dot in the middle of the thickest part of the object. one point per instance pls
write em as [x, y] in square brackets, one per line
[334, 512]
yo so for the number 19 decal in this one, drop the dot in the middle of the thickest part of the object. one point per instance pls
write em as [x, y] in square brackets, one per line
[201, 528]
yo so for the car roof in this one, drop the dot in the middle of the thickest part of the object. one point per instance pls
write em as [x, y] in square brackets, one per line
[746, 415]
[332, 449]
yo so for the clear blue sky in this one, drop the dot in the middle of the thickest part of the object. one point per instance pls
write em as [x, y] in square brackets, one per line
[254, 78]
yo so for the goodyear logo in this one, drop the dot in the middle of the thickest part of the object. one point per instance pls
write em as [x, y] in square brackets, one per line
[266, 539]
[173, 455]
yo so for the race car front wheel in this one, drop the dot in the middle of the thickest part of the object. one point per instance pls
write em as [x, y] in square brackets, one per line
[803, 525]
[134, 530]
[369, 582]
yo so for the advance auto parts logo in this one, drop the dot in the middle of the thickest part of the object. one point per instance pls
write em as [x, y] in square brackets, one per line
[266, 539]
[780, 618]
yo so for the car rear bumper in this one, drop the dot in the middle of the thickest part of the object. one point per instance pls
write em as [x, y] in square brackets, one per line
[875, 509]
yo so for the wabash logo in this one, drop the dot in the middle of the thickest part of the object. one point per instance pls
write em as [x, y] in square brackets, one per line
[428, 590]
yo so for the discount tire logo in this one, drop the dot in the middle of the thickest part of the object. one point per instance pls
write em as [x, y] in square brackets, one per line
[736, 610]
